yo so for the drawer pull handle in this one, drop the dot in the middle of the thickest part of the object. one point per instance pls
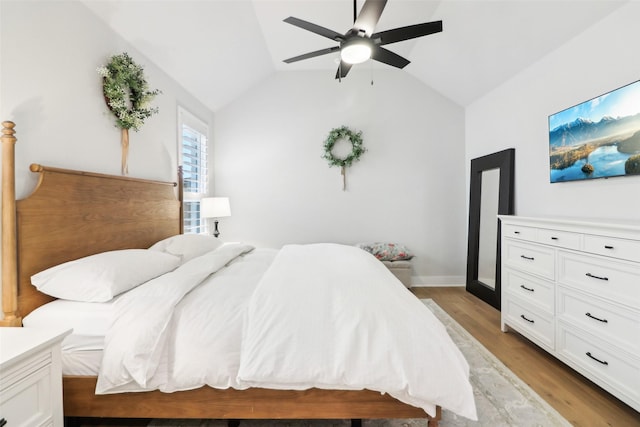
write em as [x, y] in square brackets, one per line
[596, 277]
[596, 318]
[528, 320]
[604, 362]
[527, 289]
[554, 238]
[530, 258]
[516, 232]
[608, 247]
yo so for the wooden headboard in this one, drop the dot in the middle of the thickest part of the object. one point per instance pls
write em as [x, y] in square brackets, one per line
[72, 214]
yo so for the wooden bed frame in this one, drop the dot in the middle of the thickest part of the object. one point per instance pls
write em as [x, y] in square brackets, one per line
[72, 214]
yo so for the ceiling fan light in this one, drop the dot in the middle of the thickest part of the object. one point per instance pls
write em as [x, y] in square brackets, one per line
[355, 52]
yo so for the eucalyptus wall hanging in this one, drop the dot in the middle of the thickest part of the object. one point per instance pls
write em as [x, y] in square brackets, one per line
[338, 134]
[127, 95]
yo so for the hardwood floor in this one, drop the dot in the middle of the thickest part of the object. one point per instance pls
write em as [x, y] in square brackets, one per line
[576, 398]
[579, 400]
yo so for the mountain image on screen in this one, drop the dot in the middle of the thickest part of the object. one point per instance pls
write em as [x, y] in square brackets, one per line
[582, 131]
[590, 140]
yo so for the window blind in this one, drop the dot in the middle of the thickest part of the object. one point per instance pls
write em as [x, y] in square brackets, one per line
[194, 161]
[195, 174]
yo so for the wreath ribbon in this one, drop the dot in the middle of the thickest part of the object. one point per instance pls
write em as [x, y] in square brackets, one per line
[124, 141]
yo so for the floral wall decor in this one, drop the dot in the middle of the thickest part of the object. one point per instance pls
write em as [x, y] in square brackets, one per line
[127, 95]
[355, 138]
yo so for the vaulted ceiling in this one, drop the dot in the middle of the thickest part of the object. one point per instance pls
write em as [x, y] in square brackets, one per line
[218, 49]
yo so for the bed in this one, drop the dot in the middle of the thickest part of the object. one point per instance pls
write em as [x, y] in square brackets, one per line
[113, 213]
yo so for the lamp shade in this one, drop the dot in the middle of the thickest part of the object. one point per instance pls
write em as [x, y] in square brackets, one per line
[215, 207]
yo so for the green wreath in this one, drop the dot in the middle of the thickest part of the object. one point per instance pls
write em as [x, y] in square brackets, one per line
[356, 146]
[126, 91]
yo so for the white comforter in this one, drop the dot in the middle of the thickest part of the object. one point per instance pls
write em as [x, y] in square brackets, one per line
[324, 315]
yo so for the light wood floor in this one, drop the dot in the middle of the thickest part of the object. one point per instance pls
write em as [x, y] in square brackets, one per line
[576, 398]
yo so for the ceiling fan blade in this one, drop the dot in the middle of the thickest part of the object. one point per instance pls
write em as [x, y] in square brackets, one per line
[408, 32]
[369, 16]
[343, 70]
[383, 55]
[325, 32]
[312, 54]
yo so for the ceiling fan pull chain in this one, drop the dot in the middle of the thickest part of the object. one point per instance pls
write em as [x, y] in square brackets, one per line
[371, 62]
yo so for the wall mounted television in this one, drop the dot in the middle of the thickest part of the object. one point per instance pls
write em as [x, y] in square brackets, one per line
[598, 138]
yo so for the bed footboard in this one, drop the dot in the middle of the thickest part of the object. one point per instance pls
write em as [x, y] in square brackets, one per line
[253, 403]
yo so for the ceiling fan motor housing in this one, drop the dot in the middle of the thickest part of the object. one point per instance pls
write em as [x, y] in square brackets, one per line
[356, 49]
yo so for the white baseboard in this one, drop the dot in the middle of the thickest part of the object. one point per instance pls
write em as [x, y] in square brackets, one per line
[434, 281]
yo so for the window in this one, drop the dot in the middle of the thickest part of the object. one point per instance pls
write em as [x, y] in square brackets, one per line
[193, 158]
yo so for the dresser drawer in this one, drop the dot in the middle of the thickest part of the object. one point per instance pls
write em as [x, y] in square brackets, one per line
[530, 258]
[532, 323]
[529, 288]
[613, 247]
[615, 371]
[561, 239]
[617, 281]
[519, 232]
[609, 322]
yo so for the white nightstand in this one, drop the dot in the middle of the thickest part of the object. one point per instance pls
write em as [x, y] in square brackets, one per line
[31, 376]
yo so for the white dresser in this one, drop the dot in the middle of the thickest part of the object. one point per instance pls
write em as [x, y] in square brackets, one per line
[573, 288]
[31, 377]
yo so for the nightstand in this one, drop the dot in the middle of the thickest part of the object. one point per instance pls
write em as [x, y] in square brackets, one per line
[31, 376]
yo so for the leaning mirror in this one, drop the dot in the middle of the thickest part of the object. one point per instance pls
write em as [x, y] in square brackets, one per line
[488, 227]
[491, 194]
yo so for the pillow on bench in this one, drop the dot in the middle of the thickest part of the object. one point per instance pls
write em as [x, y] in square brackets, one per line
[387, 251]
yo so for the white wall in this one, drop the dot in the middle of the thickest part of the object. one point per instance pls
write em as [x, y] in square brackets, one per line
[409, 187]
[515, 115]
[51, 90]
[49, 87]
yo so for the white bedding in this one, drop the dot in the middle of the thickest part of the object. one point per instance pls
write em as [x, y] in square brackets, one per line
[324, 315]
[82, 349]
[81, 362]
[89, 320]
[171, 334]
[86, 318]
[327, 316]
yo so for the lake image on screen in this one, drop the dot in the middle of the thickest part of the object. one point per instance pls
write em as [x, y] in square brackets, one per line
[597, 139]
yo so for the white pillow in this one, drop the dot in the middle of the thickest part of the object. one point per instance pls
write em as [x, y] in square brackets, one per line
[100, 277]
[187, 246]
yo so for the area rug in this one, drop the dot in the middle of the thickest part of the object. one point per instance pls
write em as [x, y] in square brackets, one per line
[502, 399]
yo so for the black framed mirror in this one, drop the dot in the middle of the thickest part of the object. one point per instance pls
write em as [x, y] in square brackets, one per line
[490, 195]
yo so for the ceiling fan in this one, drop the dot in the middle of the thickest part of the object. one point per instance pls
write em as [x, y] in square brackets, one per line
[360, 43]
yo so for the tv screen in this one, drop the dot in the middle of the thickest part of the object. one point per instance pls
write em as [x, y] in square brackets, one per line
[598, 138]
